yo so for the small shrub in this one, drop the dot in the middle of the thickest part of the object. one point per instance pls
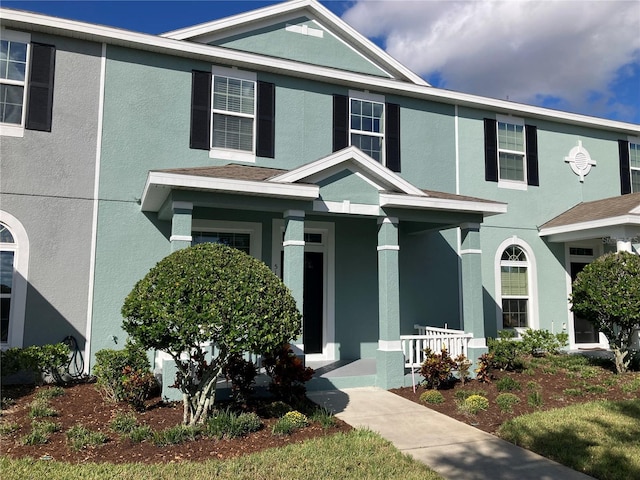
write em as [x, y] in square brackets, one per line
[277, 409]
[631, 386]
[242, 374]
[534, 399]
[80, 437]
[41, 408]
[508, 384]
[282, 427]
[432, 396]
[573, 392]
[291, 421]
[474, 404]
[175, 435]
[297, 419]
[140, 433]
[324, 417]
[288, 374]
[462, 395]
[40, 360]
[506, 401]
[531, 385]
[542, 342]
[7, 428]
[49, 393]
[463, 365]
[124, 375]
[595, 389]
[124, 423]
[507, 352]
[437, 368]
[228, 424]
[40, 432]
[483, 372]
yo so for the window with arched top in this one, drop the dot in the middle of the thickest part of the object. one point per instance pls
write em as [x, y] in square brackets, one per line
[14, 264]
[514, 287]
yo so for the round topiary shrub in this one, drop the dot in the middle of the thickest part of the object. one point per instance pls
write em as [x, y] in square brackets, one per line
[506, 401]
[432, 396]
[475, 403]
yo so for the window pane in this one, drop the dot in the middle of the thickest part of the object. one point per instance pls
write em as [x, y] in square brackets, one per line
[11, 104]
[514, 280]
[510, 136]
[233, 95]
[13, 60]
[511, 167]
[514, 313]
[514, 254]
[232, 132]
[5, 307]
[241, 241]
[372, 146]
[5, 235]
[366, 116]
[635, 181]
[6, 272]
[634, 155]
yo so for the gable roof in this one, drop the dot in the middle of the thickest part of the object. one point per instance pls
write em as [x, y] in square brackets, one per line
[310, 8]
[595, 219]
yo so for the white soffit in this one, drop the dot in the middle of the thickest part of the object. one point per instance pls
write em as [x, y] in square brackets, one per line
[565, 231]
[432, 203]
[160, 184]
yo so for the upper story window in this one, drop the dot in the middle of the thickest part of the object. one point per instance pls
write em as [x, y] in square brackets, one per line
[367, 127]
[511, 152]
[234, 104]
[366, 121]
[232, 115]
[634, 166]
[26, 84]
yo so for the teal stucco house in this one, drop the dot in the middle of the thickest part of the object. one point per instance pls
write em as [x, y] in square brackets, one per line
[381, 201]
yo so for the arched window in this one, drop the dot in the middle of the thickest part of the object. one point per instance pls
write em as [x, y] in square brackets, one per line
[515, 286]
[14, 261]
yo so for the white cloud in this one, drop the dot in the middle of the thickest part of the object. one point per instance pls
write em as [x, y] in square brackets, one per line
[569, 51]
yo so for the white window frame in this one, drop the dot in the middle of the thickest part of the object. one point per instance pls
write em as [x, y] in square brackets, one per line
[225, 153]
[254, 230]
[20, 247]
[508, 183]
[11, 129]
[372, 98]
[532, 297]
[633, 141]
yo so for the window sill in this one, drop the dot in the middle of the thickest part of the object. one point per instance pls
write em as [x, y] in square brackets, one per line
[7, 130]
[234, 155]
[512, 185]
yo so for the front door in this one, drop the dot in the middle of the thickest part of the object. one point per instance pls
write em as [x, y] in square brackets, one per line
[583, 330]
[313, 302]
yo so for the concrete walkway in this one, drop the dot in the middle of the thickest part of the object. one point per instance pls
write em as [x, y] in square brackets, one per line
[454, 449]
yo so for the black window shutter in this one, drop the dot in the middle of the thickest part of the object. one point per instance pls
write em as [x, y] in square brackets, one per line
[340, 122]
[531, 133]
[40, 89]
[199, 137]
[265, 136]
[625, 168]
[392, 137]
[490, 150]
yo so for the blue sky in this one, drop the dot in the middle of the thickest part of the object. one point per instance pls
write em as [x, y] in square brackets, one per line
[575, 55]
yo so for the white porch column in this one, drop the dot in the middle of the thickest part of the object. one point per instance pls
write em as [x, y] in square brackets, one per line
[623, 245]
[181, 225]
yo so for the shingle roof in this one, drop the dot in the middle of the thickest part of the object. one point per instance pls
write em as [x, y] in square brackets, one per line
[597, 210]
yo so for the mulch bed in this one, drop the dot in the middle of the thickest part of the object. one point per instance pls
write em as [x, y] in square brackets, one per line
[82, 404]
[552, 387]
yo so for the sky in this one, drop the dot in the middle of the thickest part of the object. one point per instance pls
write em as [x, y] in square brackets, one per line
[580, 56]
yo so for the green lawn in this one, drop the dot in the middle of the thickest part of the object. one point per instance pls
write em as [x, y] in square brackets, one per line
[359, 454]
[601, 439]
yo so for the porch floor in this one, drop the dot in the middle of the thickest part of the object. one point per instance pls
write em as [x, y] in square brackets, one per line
[343, 368]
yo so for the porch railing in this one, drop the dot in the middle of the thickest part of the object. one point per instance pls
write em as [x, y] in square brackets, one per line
[455, 341]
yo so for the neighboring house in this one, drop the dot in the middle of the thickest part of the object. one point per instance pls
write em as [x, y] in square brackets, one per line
[382, 202]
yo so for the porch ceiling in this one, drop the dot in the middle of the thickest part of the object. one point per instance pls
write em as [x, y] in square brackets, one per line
[616, 217]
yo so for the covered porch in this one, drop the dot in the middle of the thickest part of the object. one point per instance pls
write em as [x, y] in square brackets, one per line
[334, 230]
